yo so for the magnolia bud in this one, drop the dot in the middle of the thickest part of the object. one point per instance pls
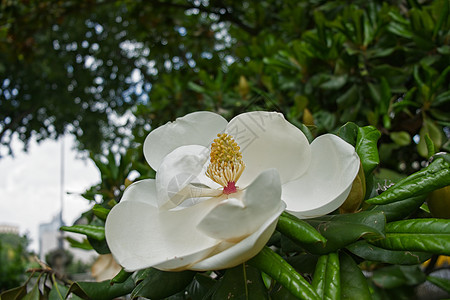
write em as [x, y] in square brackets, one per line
[357, 193]
[439, 203]
[243, 88]
[308, 118]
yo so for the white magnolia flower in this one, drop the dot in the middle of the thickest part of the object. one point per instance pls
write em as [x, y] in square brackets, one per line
[215, 205]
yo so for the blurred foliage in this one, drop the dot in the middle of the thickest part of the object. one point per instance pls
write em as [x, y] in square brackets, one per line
[80, 65]
[110, 71]
[14, 260]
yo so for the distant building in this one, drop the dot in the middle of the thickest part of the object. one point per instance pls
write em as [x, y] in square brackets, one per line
[49, 235]
[9, 229]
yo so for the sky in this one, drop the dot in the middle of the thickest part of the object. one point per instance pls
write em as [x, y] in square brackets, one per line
[30, 185]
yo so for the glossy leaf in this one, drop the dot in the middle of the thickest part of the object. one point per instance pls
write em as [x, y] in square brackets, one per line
[102, 290]
[276, 267]
[373, 253]
[435, 176]
[241, 282]
[152, 288]
[349, 133]
[15, 293]
[298, 230]
[92, 231]
[101, 247]
[121, 276]
[34, 294]
[326, 280]
[303, 262]
[401, 138]
[77, 244]
[426, 235]
[58, 292]
[400, 209]
[342, 230]
[279, 292]
[395, 276]
[430, 139]
[201, 287]
[100, 211]
[366, 147]
[353, 282]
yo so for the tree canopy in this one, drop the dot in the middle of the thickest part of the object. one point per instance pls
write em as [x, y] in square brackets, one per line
[374, 73]
[77, 66]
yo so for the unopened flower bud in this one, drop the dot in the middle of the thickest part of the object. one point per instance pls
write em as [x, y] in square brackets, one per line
[439, 203]
[357, 193]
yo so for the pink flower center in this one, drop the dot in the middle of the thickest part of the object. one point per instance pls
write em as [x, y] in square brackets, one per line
[230, 188]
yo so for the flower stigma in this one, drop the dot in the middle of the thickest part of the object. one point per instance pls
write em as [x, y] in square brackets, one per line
[226, 165]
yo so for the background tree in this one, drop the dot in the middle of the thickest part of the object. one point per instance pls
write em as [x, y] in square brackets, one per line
[81, 64]
[110, 71]
[14, 260]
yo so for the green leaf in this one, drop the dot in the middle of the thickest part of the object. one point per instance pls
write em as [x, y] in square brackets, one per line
[326, 280]
[101, 247]
[15, 293]
[303, 262]
[112, 166]
[426, 235]
[401, 138]
[241, 282]
[303, 128]
[196, 88]
[319, 279]
[279, 292]
[443, 97]
[92, 231]
[395, 276]
[276, 267]
[58, 292]
[100, 211]
[121, 276]
[443, 283]
[298, 230]
[201, 286]
[401, 209]
[349, 133]
[342, 230]
[101, 290]
[373, 253]
[81, 245]
[334, 82]
[349, 97]
[353, 282]
[366, 147]
[431, 149]
[34, 294]
[426, 148]
[160, 284]
[433, 177]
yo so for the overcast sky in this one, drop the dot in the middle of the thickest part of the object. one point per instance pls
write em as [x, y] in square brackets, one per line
[30, 186]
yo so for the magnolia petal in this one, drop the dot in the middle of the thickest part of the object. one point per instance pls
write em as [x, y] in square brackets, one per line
[267, 141]
[105, 267]
[328, 180]
[236, 218]
[180, 168]
[243, 250]
[198, 128]
[141, 236]
[141, 191]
